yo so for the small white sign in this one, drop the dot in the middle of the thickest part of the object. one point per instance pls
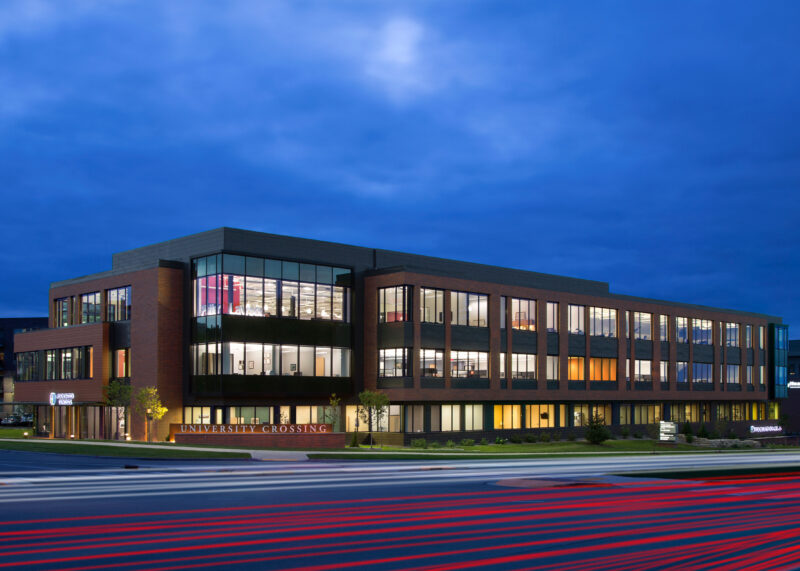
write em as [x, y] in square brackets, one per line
[793, 384]
[667, 431]
[763, 429]
[61, 399]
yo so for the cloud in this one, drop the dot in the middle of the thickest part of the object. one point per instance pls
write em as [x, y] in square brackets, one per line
[396, 62]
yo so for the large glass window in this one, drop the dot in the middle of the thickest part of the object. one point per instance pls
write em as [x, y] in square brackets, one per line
[643, 370]
[233, 294]
[748, 336]
[523, 366]
[681, 330]
[664, 371]
[762, 337]
[701, 331]
[682, 371]
[602, 322]
[540, 416]
[61, 311]
[642, 325]
[663, 325]
[431, 305]
[602, 369]
[749, 373]
[393, 362]
[733, 374]
[393, 304]
[575, 366]
[90, 307]
[471, 309]
[259, 287]
[473, 417]
[450, 417]
[270, 360]
[732, 335]
[576, 319]
[523, 314]
[28, 366]
[552, 367]
[466, 364]
[431, 362]
[646, 413]
[552, 317]
[702, 372]
[507, 416]
[59, 364]
[118, 304]
[122, 363]
[197, 414]
[415, 418]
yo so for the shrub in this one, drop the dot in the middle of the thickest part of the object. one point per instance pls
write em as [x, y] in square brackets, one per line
[467, 442]
[484, 442]
[516, 439]
[354, 441]
[530, 437]
[689, 439]
[544, 437]
[596, 431]
[703, 432]
[637, 435]
[419, 443]
[499, 440]
[450, 444]
[571, 436]
[434, 445]
[624, 432]
[686, 429]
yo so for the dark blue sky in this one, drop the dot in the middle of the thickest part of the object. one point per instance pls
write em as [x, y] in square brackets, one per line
[653, 145]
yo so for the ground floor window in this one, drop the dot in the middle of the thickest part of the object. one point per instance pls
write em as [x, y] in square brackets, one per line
[647, 413]
[540, 415]
[473, 417]
[415, 418]
[507, 416]
[197, 414]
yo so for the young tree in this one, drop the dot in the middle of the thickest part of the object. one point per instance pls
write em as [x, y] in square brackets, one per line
[331, 414]
[374, 405]
[118, 395]
[596, 430]
[148, 404]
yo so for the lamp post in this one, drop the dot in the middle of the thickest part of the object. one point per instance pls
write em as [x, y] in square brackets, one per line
[147, 425]
[356, 427]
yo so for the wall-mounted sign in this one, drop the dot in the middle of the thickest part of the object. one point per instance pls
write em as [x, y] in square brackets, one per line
[249, 429]
[667, 431]
[793, 384]
[61, 399]
[772, 428]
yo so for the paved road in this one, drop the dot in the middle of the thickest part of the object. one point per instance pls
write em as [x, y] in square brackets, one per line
[93, 513]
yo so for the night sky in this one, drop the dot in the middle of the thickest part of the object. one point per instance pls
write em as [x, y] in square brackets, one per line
[652, 145]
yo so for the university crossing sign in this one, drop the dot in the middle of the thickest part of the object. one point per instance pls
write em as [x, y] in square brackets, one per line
[259, 435]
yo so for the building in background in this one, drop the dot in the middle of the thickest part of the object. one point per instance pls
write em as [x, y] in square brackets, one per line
[9, 326]
[241, 327]
[791, 409]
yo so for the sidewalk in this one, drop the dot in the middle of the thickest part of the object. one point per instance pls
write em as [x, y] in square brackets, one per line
[263, 455]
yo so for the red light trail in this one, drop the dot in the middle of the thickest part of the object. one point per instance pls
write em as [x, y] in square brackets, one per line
[719, 523]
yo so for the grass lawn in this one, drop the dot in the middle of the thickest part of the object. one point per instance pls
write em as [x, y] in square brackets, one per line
[7, 432]
[536, 449]
[115, 451]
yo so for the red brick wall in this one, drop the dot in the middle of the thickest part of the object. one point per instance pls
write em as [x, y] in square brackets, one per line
[156, 343]
[329, 440]
[494, 290]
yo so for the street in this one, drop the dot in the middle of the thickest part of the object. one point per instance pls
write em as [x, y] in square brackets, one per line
[565, 513]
